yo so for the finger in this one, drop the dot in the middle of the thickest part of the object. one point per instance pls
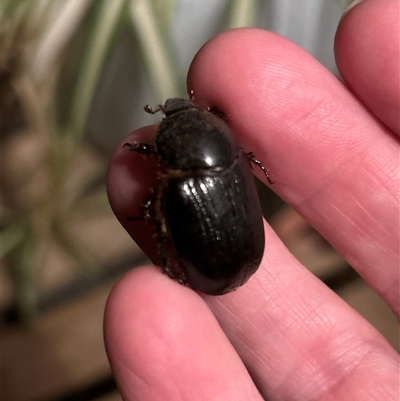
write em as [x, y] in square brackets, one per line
[163, 343]
[367, 55]
[296, 338]
[299, 341]
[130, 180]
[330, 159]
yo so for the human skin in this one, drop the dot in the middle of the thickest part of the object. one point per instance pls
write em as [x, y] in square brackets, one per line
[333, 150]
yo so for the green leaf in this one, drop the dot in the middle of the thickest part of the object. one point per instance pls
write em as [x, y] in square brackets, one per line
[104, 29]
[155, 47]
[242, 13]
[10, 237]
[22, 263]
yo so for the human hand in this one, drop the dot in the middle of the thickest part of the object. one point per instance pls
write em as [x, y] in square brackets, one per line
[333, 151]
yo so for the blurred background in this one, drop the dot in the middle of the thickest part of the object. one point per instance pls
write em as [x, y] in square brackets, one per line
[74, 77]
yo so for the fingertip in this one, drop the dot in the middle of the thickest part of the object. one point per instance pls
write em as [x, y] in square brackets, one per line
[164, 343]
[234, 58]
[126, 174]
[130, 179]
[136, 299]
[144, 313]
[367, 55]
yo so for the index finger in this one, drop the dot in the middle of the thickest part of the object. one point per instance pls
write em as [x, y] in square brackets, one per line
[328, 155]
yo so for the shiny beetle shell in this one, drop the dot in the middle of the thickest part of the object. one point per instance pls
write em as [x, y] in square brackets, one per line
[205, 206]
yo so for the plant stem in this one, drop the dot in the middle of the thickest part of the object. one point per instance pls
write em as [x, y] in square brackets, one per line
[98, 45]
[242, 13]
[155, 48]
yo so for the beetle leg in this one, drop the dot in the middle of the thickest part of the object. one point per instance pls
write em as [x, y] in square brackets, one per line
[149, 110]
[162, 249]
[252, 157]
[147, 207]
[140, 147]
[218, 113]
[168, 271]
[166, 267]
[163, 236]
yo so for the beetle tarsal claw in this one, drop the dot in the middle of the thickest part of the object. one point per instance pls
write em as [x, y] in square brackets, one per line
[214, 110]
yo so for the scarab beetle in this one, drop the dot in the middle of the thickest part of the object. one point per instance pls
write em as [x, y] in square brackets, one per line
[205, 205]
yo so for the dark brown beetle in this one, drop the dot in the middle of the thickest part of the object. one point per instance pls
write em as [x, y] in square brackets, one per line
[205, 207]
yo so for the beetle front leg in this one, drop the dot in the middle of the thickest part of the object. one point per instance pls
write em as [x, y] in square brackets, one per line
[149, 110]
[252, 157]
[140, 147]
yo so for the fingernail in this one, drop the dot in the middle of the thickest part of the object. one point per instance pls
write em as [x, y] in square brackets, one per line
[352, 5]
[349, 7]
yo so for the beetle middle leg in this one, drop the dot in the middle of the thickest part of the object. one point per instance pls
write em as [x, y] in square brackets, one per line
[155, 213]
[252, 158]
[218, 113]
[147, 209]
[163, 241]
